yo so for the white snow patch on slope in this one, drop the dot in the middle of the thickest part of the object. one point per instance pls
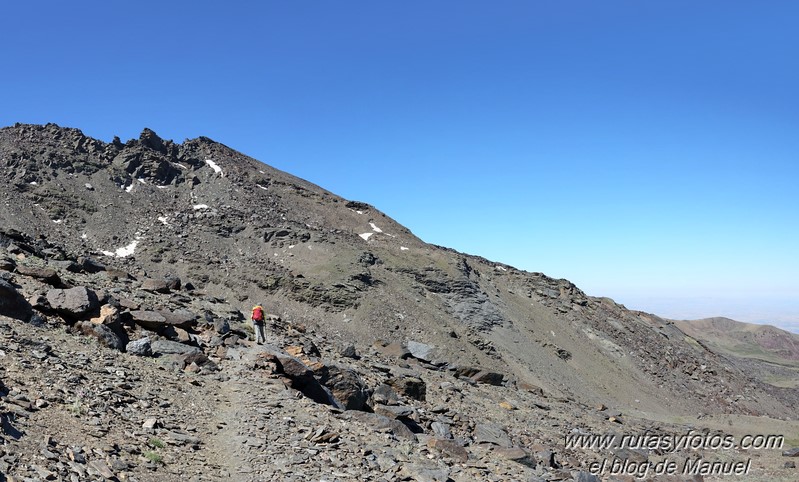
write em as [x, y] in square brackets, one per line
[214, 166]
[403, 248]
[125, 250]
[200, 206]
[162, 187]
[34, 183]
[375, 228]
[163, 220]
[58, 221]
[365, 236]
[265, 189]
[142, 181]
[129, 188]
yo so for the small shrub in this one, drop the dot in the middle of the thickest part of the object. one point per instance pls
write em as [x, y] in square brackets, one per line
[156, 443]
[153, 457]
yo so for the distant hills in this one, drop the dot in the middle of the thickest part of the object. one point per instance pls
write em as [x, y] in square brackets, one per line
[777, 348]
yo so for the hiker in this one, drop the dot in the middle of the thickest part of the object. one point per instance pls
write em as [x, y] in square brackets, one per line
[258, 324]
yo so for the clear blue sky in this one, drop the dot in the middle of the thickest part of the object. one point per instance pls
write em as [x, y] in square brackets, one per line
[645, 150]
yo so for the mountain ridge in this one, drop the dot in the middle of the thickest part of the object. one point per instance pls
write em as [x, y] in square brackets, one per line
[237, 232]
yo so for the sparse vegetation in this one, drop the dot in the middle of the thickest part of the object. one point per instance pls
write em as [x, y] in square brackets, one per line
[153, 457]
[156, 443]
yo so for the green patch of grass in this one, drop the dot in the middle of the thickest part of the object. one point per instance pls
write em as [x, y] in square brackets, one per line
[153, 457]
[791, 442]
[156, 443]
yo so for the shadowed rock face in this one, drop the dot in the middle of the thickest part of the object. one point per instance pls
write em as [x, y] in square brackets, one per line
[12, 304]
[162, 249]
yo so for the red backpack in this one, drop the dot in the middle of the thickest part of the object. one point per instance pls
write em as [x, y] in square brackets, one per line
[258, 314]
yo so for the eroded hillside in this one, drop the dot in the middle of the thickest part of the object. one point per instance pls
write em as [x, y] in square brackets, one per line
[385, 351]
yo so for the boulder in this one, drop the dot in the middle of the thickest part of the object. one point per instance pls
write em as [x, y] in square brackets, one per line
[348, 351]
[90, 265]
[140, 347]
[73, 303]
[161, 319]
[441, 430]
[394, 350]
[792, 452]
[104, 335]
[67, 265]
[179, 318]
[7, 264]
[108, 315]
[293, 366]
[151, 320]
[379, 422]
[487, 377]
[48, 275]
[346, 385]
[302, 378]
[491, 433]
[155, 286]
[13, 304]
[385, 395]
[393, 411]
[221, 326]
[450, 448]
[421, 351]
[408, 386]
[516, 454]
[167, 347]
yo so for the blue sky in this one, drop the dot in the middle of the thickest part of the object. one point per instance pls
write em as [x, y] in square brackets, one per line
[646, 151]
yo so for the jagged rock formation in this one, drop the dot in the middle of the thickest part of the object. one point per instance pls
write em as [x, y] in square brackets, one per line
[126, 276]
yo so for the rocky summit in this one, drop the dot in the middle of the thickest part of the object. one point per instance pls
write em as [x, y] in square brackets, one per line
[127, 276]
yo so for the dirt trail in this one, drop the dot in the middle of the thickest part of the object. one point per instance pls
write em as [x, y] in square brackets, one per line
[245, 404]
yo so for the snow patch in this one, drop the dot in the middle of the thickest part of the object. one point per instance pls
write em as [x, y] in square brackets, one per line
[163, 220]
[58, 221]
[162, 187]
[375, 228]
[200, 206]
[33, 183]
[502, 268]
[83, 236]
[265, 189]
[129, 188]
[214, 166]
[141, 181]
[365, 236]
[124, 251]
[403, 248]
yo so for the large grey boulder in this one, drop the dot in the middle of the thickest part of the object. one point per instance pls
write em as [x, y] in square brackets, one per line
[73, 303]
[491, 433]
[140, 347]
[167, 347]
[421, 351]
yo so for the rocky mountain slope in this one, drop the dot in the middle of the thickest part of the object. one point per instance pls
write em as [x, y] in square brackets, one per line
[127, 274]
[765, 351]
